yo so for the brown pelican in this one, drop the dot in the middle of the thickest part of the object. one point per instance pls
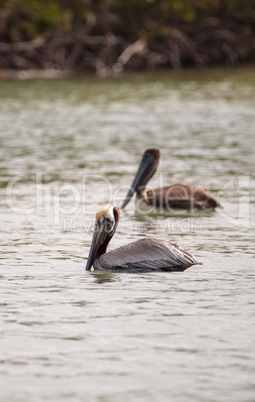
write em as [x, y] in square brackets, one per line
[144, 255]
[170, 198]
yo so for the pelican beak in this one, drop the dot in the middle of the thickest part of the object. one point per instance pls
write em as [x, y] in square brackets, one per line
[145, 167]
[100, 233]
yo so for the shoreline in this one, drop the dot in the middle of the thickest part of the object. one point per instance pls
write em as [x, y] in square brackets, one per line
[114, 37]
[58, 74]
[199, 47]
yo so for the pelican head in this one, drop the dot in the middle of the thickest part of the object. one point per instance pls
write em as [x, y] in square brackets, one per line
[147, 168]
[103, 232]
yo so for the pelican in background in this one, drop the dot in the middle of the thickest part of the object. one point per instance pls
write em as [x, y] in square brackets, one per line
[144, 255]
[170, 198]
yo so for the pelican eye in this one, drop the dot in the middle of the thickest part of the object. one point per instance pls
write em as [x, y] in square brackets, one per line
[101, 219]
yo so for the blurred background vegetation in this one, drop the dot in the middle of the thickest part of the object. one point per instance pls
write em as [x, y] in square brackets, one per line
[110, 35]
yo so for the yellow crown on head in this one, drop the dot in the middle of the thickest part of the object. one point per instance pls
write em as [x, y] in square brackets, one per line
[103, 211]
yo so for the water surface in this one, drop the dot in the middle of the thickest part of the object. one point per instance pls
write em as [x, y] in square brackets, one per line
[66, 148]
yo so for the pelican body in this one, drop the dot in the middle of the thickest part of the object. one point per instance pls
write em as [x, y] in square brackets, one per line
[176, 197]
[144, 255]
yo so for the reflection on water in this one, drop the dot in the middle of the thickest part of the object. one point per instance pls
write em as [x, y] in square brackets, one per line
[68, 147]
[103, 277]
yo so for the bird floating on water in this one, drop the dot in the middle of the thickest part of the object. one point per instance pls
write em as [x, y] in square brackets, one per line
[144, 255]
[177, 197]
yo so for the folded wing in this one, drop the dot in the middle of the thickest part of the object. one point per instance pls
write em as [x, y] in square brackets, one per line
[147, 255]
[181, 196]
